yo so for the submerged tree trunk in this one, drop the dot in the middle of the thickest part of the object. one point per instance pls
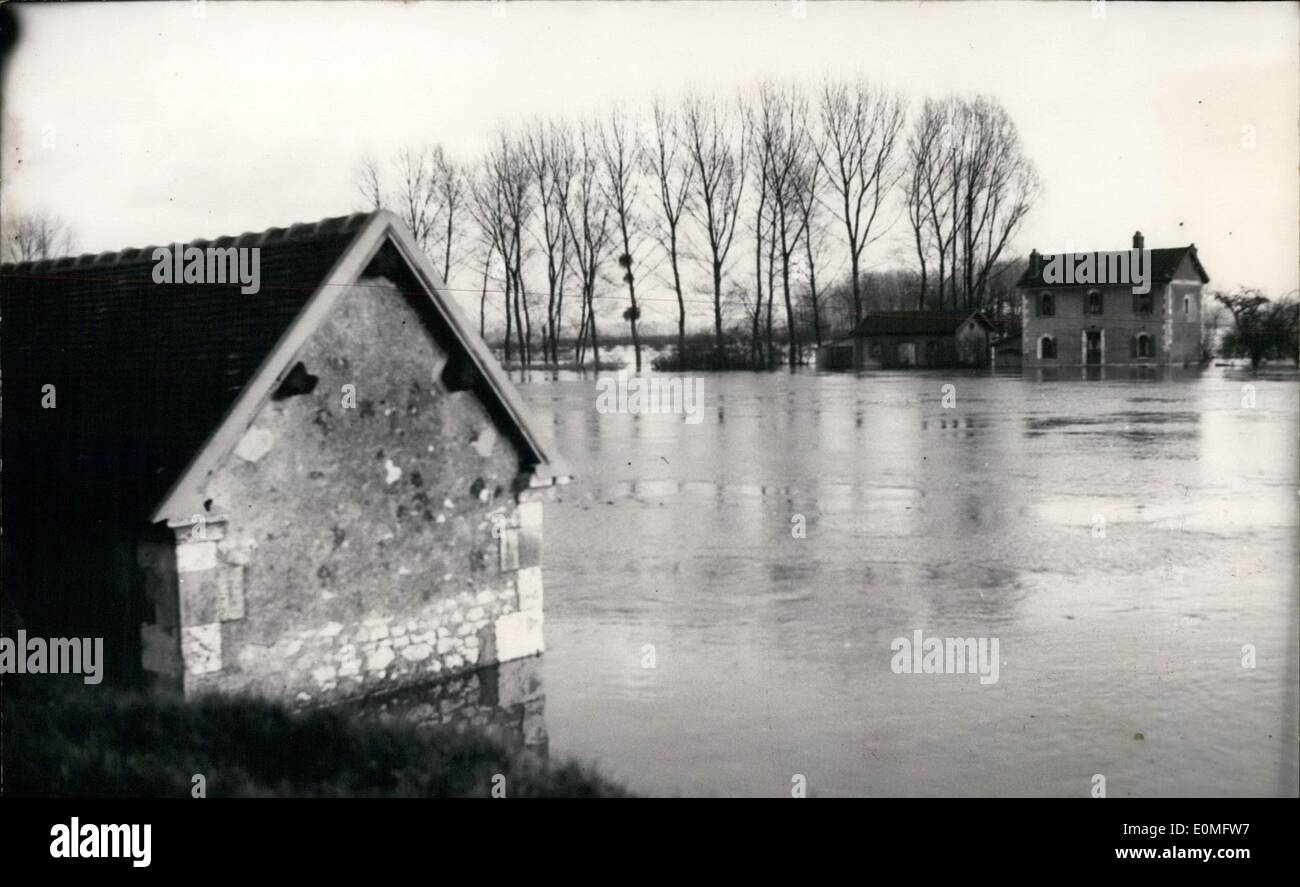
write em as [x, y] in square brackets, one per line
[812, 287]
[756, 345]
[771, 298]
[591, 326]
[482, 301]
[681, 302]
[857, 288]
[791, 335]
[580, 344]
[508, 292]
[521, 296]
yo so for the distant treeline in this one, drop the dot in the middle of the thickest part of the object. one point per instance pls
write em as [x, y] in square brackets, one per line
[725, 206]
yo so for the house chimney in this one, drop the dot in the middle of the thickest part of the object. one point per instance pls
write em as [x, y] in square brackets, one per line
[1033, 261]
[1137, 240]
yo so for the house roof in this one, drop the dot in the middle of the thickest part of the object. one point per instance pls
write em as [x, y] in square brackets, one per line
[914, 323]
[1165, 263]
[155, 383]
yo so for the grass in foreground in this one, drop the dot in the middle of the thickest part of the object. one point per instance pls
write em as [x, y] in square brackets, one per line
[97, 742]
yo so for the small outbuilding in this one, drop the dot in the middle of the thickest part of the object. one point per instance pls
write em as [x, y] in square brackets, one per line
[903, 339]
[1007, 353]
[317, 490]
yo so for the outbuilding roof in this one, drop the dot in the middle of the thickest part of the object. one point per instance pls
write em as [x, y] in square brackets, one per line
[914, 323]
[154, 383]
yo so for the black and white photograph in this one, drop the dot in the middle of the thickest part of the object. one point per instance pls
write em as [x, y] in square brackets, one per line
[648, 400]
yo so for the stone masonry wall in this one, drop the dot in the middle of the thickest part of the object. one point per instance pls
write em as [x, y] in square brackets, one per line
[504, 699]
[358, 539]
[1118, 323]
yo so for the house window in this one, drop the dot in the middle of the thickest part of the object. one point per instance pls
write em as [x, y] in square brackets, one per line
[931, 350]
[1187, 304]
[1144, 345]
[1094, 305]
[1141, 303]
[1046, 305]
[874, 351]
[1047, 348]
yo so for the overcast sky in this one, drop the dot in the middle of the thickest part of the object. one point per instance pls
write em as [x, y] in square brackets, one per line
[143, 123]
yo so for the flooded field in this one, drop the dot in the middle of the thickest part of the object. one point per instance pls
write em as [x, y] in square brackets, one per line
[1124, 540]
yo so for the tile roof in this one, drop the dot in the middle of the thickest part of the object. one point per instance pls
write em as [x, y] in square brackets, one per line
[913, 323]
[146, 373]
[1164, 265]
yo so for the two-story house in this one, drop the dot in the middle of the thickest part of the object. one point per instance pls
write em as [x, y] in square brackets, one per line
[1078, 310]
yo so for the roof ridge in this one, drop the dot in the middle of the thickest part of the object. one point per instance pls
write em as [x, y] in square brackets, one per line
[926, 313]
[1150, 249]
[1164, 261]
[298, 231]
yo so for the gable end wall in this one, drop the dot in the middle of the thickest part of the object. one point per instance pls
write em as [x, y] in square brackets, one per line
[355, 543]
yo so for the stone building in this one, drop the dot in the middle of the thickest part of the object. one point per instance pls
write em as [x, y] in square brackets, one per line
[1006, 353]
[1111, 323]
[901, 339]
[311, 492]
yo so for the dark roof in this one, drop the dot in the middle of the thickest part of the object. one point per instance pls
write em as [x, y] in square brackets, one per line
[1006, 324]
[1164, 265]
[155, 382]
[914, 323]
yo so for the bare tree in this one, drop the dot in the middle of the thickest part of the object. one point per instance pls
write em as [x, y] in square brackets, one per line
[760, 205]
[516, 190]
[671, 166]
[416, 195]
[782, 134]
[807, 188]
[449, 187]
[969, 177]
[931, 163]
[1001, 187]
[482, 301]
[771, 287]
[915, 201]
[548, 152]
[30, 237]
[861, 126]
[489, 209]
[586, 215]
[621, 183]
[369, 182]
[719, 159]
[429, 196]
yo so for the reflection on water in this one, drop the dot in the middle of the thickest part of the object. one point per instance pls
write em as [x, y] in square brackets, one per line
[1123, 536]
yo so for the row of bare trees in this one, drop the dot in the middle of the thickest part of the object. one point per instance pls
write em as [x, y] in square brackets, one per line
[802, 178]
[968, 187]
[428, 194]
[29, 237]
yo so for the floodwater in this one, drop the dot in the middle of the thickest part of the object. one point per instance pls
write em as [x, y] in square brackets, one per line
[1123, 539]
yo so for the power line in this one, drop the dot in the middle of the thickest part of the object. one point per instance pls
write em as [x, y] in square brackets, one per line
[480, 291]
